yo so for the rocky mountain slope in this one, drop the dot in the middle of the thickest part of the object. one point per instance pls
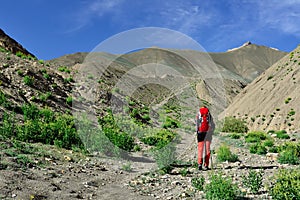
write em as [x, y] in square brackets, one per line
[11, 45]
[271, 101]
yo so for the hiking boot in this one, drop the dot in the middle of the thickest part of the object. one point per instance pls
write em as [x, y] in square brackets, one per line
[205, 168]
[199, 167]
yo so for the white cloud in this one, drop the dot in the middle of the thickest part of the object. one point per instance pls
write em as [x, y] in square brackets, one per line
[283, 16]
[94, 9]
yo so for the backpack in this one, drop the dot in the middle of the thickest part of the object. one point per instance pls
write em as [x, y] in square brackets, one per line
[203, 120]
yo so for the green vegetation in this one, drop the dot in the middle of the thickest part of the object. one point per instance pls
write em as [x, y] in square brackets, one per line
[127, 167]
[20, 72]
[64, 69]
[44, 97]
[235, 135]
[289, 153]
[3, 100]
[69, 100]
[255, 136]
[287, 100]
[220, 188]
[253, 180]
[28, 80]
[69, 79]
[160, 138]
[258, 148]
[164, 157]
[198, 182]
[42, 125]
[111, 130]
[224, 154]
[286, 185]
[171, 123]
[282, 134]
[232, 124]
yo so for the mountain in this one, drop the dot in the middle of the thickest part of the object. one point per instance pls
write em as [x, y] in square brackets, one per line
[271, 101]
[9, 44]
[238, 67]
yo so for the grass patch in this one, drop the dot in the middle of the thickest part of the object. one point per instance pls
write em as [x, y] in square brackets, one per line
[224, 154]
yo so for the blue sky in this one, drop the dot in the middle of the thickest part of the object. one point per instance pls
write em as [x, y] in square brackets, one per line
[50, 29]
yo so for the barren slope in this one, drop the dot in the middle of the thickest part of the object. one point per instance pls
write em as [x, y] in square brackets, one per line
[271, 101]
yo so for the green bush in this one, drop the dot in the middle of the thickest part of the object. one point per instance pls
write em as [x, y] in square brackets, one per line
[69, 100]
[268, 143]
[115, 134]
[255, 136]
[43, 126]
[232, 124]
[282, 134]
[171, 123]
[160, 138]
[120, 139]
[165, 156]
[28, 80]
[289, 153]
[3, 100]
[235, 135]
[198, 182]
[224, 154]
[253, 180]
[220, 188]
[286, 185]
[258, 148]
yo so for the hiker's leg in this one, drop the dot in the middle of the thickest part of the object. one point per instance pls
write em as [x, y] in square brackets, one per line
[200, 152]
[200, 139]
[207, 153]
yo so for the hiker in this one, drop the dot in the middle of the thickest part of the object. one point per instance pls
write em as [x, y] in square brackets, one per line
[205, 128]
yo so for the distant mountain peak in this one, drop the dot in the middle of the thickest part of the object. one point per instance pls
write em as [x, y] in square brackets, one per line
[12, 45]
[244, 45]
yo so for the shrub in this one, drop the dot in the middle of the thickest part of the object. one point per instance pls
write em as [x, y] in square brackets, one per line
[255, 136]
[282, 134]
[115, 135]
[28, 80]
[220, 188]
[160, 138]
[289, 153]
[224, 154]
[69, 79]
[259, 149]
[3, 100]
[286, 185]
[268, 143]
[171, 123]
[235, 136]
[46, 76]
[253, 180]
[127, 167]
[20, 72]
[198, 182]
[232, 124]
[120, 139]
[69, 100]
[165, 156]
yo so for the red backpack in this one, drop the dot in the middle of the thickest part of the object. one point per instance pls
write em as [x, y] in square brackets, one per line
[203, 119]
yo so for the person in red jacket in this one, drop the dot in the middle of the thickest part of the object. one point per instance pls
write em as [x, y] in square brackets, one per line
[205, 127]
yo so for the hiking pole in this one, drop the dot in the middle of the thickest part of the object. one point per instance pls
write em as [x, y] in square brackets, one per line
[211, 160]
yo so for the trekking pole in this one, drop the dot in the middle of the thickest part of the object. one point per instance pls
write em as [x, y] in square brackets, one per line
[211, 160]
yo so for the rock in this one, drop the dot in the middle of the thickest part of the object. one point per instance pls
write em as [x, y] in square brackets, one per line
[67, 158]
[272, 156]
